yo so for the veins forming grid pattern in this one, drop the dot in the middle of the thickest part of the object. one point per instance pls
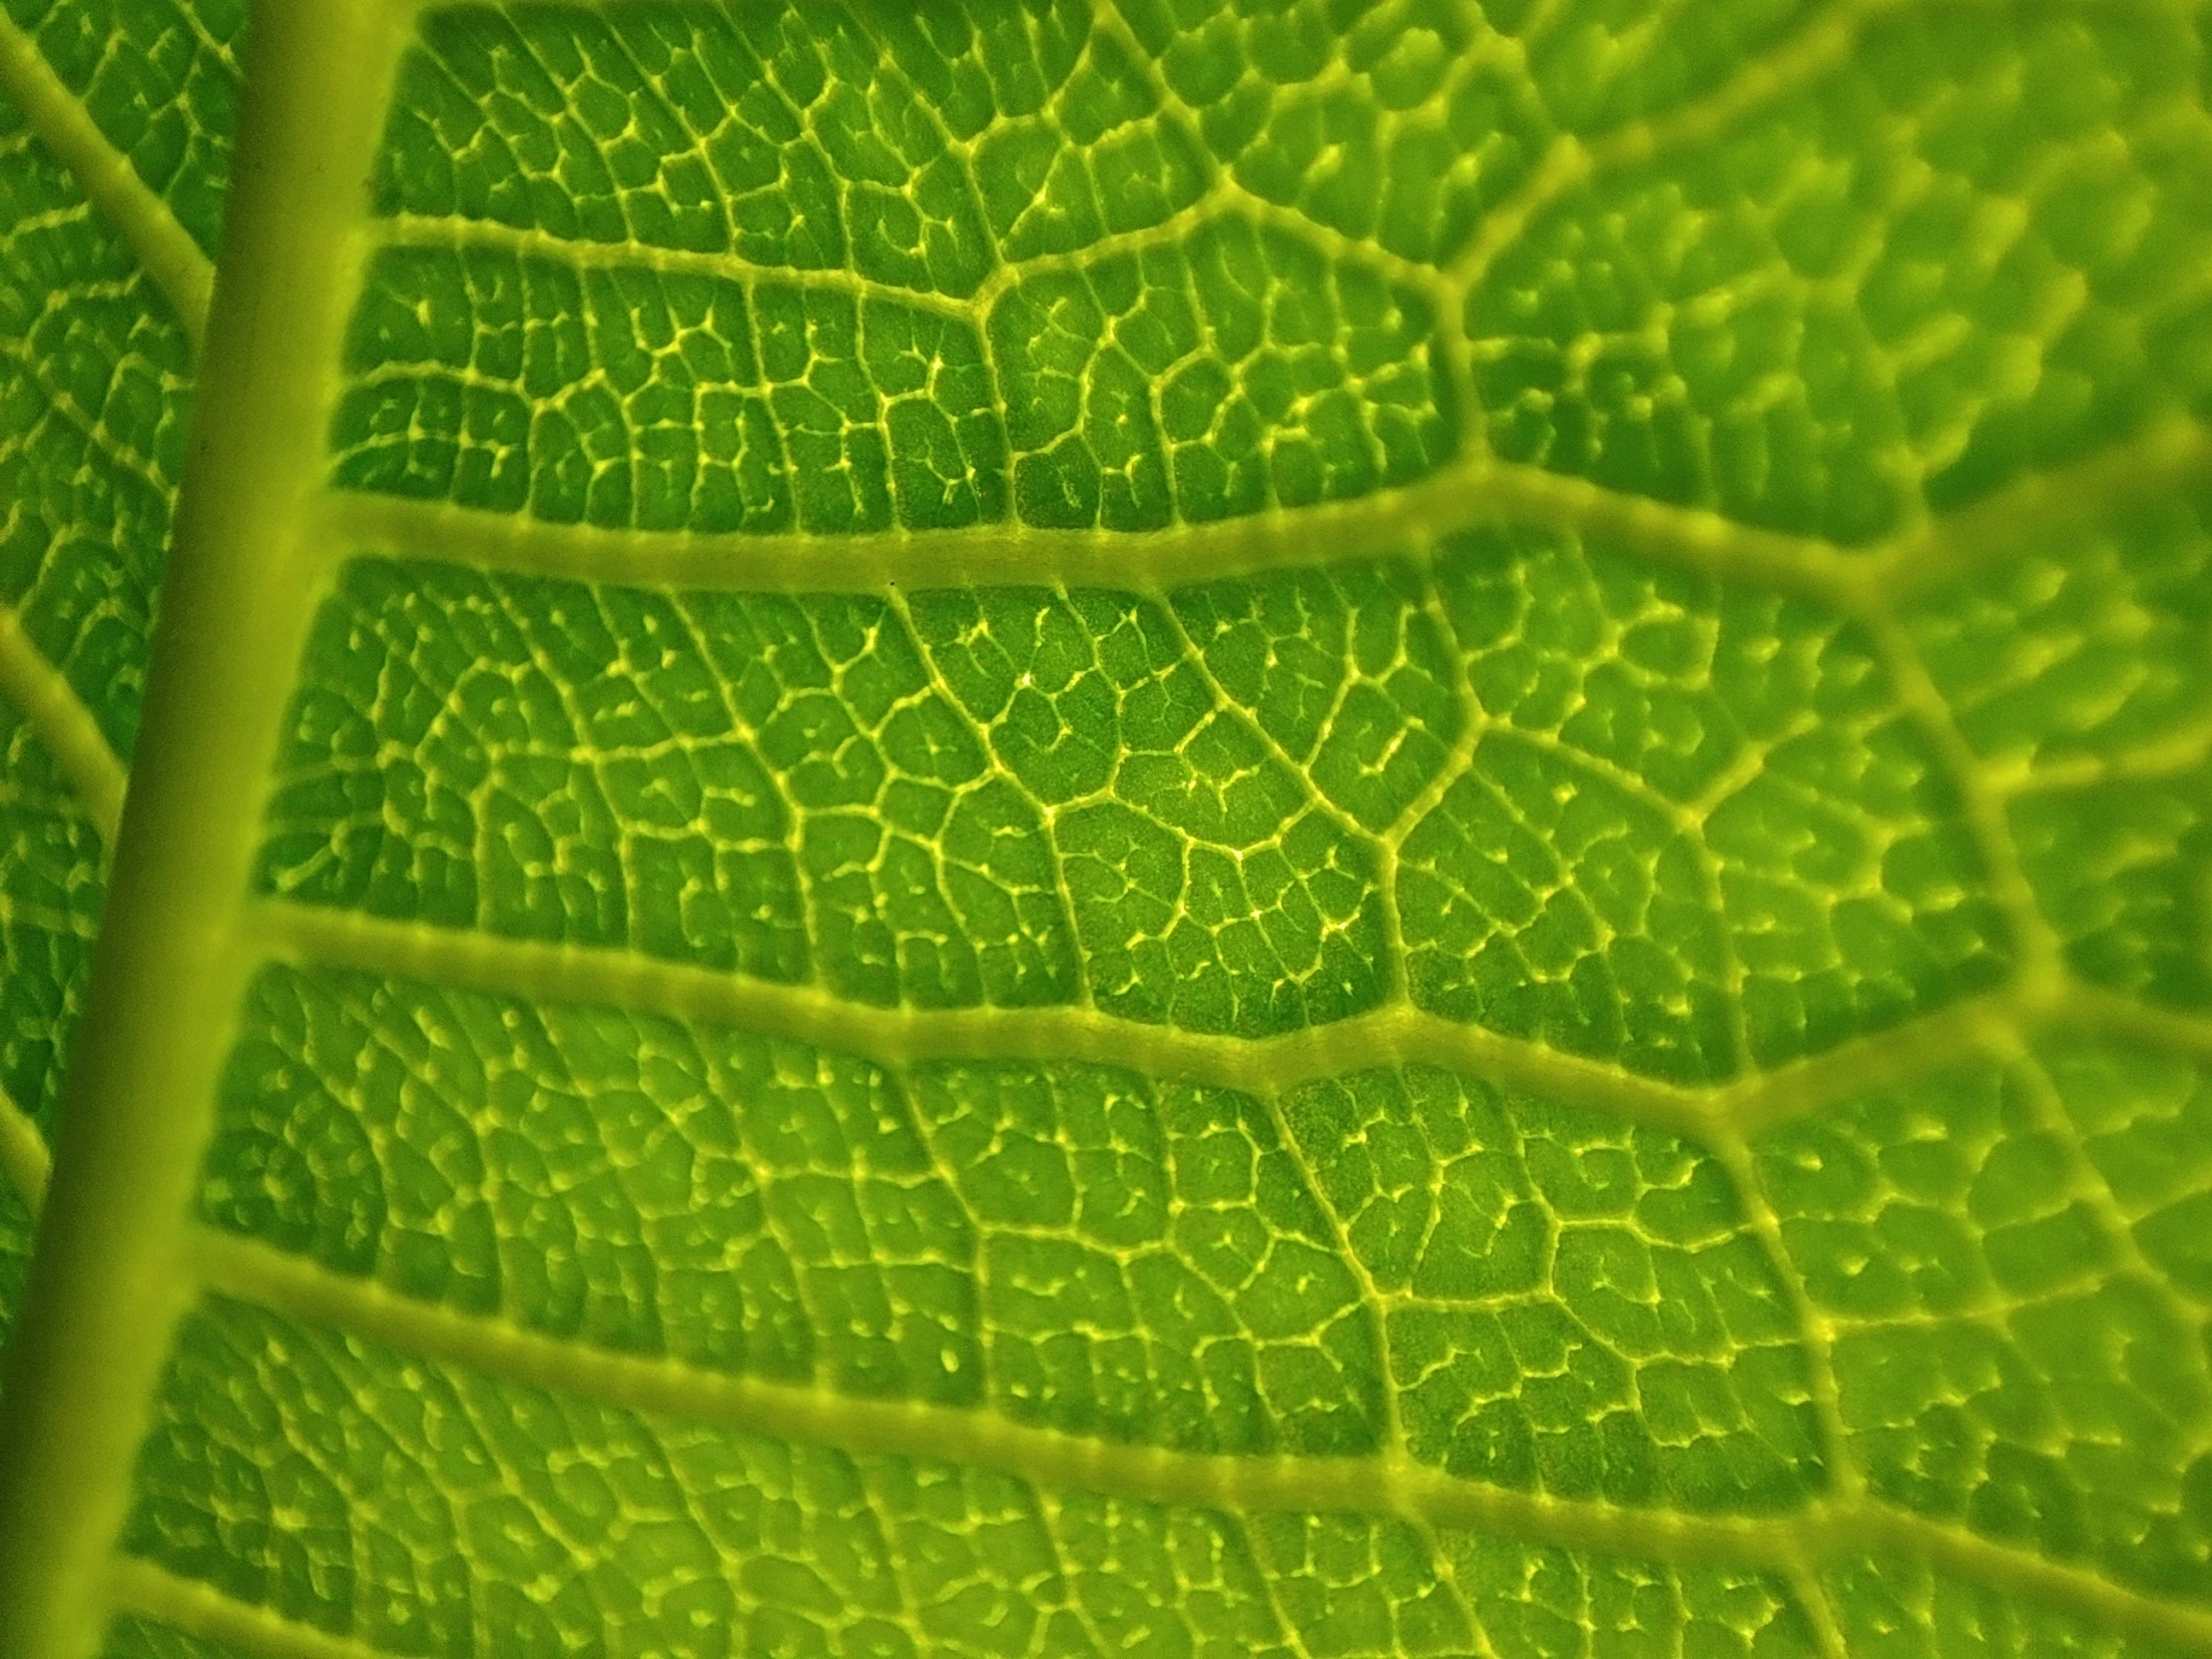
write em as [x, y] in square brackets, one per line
[2040, 994]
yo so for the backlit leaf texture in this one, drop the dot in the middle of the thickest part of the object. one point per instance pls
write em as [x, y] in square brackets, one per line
[1194, 827]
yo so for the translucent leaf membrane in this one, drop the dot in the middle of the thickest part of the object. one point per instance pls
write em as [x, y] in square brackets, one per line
[1556, 1300]
[1967, 247]
[1234, 369]
[50, 894]
[159, 80]
[95, 384]
[760, 1544]
[1170, 830]
[2012, 1257]
[1671, 823]
[2089, 698]
[757, 1544]
[2007, 1261]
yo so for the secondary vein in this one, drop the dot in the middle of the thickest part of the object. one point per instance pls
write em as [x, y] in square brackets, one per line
[201, 1610]
[24, 1159]
[422, 230]
[109, 182]
[60, 721]
[1821, 1530]
[1387, 1036]
[1459, 496]
[1395, 1034]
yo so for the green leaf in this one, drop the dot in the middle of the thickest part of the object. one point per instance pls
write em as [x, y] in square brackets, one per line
[1038, 827]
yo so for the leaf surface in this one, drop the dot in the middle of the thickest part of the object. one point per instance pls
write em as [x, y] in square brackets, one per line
[1060, 829]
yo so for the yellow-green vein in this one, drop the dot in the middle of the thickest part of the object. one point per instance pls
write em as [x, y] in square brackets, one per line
[109, 182]
[107, 1285]
[1457, 497]
[24, 1161]
[1386, 1036]
[1392, 1035]
[201, 1610]
[414, 231]
[1051, 1458]
[62, 724]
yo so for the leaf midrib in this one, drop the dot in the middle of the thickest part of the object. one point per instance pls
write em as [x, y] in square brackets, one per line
[107, 1286]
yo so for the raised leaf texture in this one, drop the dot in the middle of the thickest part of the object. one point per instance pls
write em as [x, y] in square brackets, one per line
[1162, 829]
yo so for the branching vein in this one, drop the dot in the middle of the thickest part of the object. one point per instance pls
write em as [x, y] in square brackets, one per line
[1870, 583]
[1392, 1035]
[61, 721]
[904, 1036]
[1388, 1484]
[1464, 494]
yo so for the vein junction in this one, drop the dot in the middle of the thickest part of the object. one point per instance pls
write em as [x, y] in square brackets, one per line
[1388, 1484]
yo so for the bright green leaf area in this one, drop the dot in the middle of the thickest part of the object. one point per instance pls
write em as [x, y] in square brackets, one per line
[1167, 829]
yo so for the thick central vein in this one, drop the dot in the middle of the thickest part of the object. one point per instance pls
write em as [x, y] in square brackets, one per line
[107, 1288]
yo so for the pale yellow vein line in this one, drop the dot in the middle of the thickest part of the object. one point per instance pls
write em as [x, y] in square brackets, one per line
[1208, 207]
[1883, 1059]
[1447, 1575]
[1805, 1583]
[24, 1159]
[1234, 713]
[1393, 1035]
[2038, 953]
[2169, 454]
[1224, 201]
[2170, 756]
[1224, 186]
[2120, 1018]
[1570, 160]
[109, 182]
[2091, 1186]
[62, 724]
[1287, 1630]
[910, 1604]
[198, 1609]
[2014, 1573]
[1392, 1485]
[1733, 1151]
[1458, 496]
[933, 669]
[1463, 494]
[1976, 1026]
[28, 678]
[419, 231]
